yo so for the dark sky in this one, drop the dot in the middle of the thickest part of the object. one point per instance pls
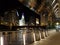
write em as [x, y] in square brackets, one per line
[8, 4]
[15, 4]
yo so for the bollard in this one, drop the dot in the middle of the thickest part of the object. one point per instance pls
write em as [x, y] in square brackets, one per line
[1, 39]
[42, 35]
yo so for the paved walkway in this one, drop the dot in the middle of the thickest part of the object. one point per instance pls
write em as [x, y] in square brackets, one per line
[53, 39]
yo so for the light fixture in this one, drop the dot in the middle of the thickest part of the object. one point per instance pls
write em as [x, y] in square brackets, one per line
[57, 23]
[24, 40]
[37, 21]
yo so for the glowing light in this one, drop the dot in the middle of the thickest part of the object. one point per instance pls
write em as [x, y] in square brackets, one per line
[1, 40]
[57, 23]
[24, 39]
[37, 21]
[22, 21]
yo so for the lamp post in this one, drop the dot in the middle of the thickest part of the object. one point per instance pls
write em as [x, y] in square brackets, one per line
[57, 26]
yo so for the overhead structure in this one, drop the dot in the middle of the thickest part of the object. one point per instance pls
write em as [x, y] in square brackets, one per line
[56, 8]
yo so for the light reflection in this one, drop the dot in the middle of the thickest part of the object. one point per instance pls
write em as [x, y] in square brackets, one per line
[24, 39]
[1, 39]
[22, 21]
[57, 23]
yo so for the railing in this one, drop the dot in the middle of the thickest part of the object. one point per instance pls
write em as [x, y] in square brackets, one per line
[23, 36]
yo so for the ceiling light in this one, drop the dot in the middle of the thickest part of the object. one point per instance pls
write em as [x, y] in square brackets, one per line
[57, 23]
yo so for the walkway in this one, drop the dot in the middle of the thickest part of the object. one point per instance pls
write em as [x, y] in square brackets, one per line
[53, 39]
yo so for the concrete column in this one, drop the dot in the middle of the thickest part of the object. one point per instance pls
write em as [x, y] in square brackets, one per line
[1, 39]
[5, 38]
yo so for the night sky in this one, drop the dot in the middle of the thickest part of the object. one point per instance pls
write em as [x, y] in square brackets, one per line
[8, 4]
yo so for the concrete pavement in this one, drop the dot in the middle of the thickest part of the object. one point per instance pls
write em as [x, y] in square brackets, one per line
[53, 39]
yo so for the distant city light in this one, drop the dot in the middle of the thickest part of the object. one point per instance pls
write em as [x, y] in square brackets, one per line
[37, 21]
[22, 20]
[1, 39]
[57, 23]
[22, 15]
